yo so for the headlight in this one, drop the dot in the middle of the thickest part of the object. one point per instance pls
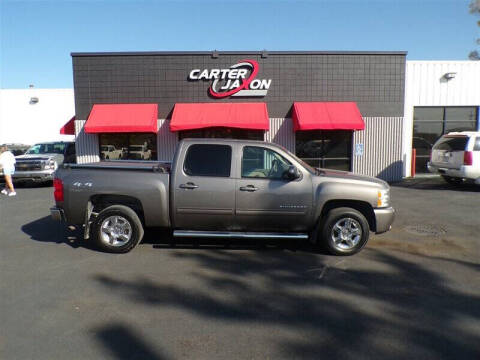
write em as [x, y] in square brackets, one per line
[50, 165]
[383, 199]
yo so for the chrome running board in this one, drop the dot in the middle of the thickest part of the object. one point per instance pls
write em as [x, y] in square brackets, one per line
[237, 235]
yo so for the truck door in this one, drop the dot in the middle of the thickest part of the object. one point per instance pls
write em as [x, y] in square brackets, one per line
[265, 199]
[204, 191]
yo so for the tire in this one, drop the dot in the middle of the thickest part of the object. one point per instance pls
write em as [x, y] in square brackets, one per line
[117, 229]
[452, 180]
[354, 237]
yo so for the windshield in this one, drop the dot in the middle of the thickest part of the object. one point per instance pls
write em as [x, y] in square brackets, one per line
[52, 148]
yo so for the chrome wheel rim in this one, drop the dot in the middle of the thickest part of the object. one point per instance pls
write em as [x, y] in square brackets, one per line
[346, 233]
[115, 231]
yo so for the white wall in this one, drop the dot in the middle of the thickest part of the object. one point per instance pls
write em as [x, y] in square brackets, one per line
[426, 86]
[22, 122]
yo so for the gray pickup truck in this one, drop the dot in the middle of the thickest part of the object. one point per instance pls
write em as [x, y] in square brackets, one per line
[219, 188]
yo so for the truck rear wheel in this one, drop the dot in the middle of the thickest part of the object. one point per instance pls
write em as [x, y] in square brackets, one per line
[345, 231]
[117, 229]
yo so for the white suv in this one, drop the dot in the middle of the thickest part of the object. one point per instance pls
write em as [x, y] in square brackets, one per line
[456, 156]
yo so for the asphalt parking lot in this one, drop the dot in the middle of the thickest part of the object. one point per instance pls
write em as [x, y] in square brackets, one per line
[414, 292]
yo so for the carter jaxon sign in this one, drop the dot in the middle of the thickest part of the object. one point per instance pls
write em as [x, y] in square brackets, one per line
[238, 80]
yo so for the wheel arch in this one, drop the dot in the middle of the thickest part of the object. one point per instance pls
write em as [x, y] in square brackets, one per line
[363, 207]
[102, 201]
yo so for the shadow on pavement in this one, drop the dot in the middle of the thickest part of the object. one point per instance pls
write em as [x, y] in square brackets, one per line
[435, 183]
[47, 230]
[123, 343]
[163, 239]
[394, 308]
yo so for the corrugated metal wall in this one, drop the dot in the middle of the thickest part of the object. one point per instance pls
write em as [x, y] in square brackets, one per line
[426, 84]
[166, 141]
[86, 145]
[382, 148]
[281, 132]
[382, 141]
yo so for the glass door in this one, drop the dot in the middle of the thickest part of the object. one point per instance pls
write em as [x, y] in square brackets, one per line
[431, 122]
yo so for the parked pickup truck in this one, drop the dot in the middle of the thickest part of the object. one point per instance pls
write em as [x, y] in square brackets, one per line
[218, 188]
[40, 161]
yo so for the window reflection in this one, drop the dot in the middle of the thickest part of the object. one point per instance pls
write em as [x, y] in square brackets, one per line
[329, 149]
[428, 113]
[465, 113]
[128, 146]
[451, 126]
[258, 162]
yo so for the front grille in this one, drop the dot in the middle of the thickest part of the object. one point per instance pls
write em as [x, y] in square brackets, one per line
[28, 166]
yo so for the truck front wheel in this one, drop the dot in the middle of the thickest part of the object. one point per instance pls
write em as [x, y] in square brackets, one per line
[117, 229]
[345, 231]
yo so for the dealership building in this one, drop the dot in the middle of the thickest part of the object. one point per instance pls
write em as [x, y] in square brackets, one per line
[372, 113]
[339, 110]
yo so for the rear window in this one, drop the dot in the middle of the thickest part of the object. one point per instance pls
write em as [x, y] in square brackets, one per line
[458, 143]
[208, 160]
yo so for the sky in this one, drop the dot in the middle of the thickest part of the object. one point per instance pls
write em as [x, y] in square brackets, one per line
[37, 36]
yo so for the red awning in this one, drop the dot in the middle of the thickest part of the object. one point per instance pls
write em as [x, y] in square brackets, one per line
[69, 127]
[234, 115]
[327, 116]
[122, 118]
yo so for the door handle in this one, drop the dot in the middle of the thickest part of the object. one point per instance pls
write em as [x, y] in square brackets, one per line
[250, 188]
[188, 185]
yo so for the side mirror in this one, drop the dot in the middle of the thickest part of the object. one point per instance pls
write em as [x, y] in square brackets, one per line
[291, 173]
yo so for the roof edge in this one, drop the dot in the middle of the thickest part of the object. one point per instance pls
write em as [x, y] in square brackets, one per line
[262, 52]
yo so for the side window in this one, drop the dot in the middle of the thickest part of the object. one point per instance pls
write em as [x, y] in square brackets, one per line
[476, 146]
[259, 162]
[208, 160]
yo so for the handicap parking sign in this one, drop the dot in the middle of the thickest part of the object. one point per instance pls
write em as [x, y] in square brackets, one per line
[358, 149]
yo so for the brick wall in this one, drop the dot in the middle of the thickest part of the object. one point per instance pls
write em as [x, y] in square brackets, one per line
[374, 80]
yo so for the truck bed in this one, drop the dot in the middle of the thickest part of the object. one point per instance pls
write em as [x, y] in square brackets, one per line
[148, 182]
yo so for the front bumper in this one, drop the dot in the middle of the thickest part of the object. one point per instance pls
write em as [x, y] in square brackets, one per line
[37, 175]
[384, 219]
[57, 214]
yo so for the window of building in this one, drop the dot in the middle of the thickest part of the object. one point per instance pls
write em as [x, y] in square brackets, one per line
[208, 160]
[331, 149]
[221, 132]
[132, 146]
[259, 162]
[431, 122]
